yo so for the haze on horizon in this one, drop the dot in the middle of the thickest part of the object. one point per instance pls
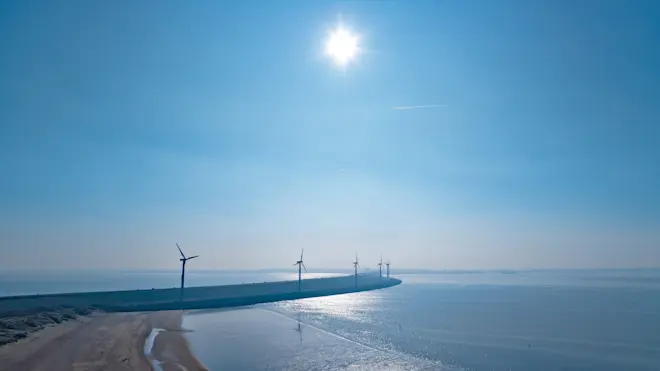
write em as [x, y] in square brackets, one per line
[463, 135]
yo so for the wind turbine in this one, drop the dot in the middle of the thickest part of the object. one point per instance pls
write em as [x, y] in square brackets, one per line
[300, 265]
[356, 265]
[183, 260]
[380, 267]
[388, 268]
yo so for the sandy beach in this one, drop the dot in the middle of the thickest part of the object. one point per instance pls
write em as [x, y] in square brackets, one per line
[108, 330]
[112, 341]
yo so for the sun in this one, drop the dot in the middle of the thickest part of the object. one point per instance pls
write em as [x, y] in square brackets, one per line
[342, 46]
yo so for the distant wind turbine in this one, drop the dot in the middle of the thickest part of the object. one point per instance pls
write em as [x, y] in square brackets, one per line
[356, 265]
[388, 268]
[183, 260]
[300, 265]
[380, 267]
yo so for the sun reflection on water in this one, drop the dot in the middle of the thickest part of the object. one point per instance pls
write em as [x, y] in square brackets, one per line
[355, 307]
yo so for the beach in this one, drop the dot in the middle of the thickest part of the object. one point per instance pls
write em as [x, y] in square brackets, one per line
[134, 329]
[104, 341]
[478, 321]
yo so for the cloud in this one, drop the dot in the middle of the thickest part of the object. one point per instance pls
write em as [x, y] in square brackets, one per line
[418, 107]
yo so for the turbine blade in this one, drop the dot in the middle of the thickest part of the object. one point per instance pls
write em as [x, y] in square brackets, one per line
[304, 267]
[181, 252]
[301, 253]
[294, 264]
[192, 257]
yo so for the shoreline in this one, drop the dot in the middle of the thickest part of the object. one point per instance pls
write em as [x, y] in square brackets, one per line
[109, 330]
[104, 341]
[170, 349]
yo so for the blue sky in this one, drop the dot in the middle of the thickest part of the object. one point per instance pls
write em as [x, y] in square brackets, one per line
[130, 125]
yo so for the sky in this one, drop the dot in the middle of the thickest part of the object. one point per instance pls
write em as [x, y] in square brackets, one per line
[530, 138]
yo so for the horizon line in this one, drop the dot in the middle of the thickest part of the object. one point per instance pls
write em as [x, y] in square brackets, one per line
[326, 270]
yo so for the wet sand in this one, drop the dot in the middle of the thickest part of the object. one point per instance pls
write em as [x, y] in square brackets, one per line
[113, 341]
[116, 341]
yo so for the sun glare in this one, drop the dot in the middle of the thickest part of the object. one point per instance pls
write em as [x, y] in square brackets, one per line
[341, 46]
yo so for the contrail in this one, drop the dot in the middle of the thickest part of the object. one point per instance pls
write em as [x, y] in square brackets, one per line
[416, 107]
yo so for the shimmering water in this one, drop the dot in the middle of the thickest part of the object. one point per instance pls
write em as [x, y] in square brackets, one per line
[515, 322]
[494, 321]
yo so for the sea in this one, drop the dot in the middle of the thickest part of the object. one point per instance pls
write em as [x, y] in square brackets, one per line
[583, 320]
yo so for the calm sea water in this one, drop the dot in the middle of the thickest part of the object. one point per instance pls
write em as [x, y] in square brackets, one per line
[571, 320]
[594, 321]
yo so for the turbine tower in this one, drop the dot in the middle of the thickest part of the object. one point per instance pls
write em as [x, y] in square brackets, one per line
[183, 260]
[380, 267]
[388, 268]
[300, 265]
[356, 265]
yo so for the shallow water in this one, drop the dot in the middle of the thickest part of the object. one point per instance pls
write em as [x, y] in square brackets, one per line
[429, 324]
[148, 347]
[495, 321]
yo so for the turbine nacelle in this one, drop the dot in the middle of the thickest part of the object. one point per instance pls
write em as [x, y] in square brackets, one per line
[356, 264]
[380, 267]
[301, 266]
[300, 262]
[183, 256]
[183, 261]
